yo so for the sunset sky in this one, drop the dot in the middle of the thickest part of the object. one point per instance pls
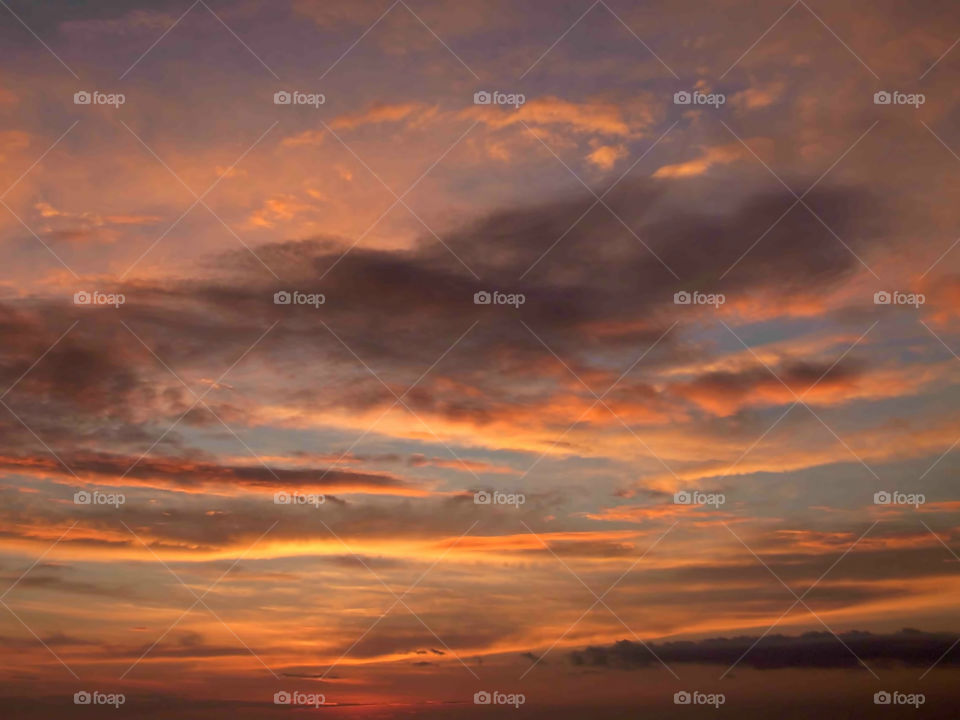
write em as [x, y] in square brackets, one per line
[160, 399]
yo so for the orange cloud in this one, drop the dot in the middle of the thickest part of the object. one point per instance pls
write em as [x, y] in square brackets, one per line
[726, 393]
[757, 97]
[603, 118]
[606, 156]
[280, 208]
[718, 155]
[384, 113]
[415, 113]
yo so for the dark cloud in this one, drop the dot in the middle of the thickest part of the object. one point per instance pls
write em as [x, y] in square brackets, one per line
[400, 310]
[811, 650]
[176, 472]
[726, 391]
[319, 676]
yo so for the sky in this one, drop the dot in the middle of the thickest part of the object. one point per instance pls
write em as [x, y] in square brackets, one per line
[523, 358]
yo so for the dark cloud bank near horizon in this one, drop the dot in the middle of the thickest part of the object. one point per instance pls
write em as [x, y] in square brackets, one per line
[909, 647]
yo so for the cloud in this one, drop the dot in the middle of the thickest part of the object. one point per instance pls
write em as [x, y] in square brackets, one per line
[193, 474]
[754, 98]
[913, 648]
[588, 117]
[282, 208]
[606, 156]
[138, 22]
[462, 464]
[404, 310]
[413, 114]
[719, 155]
[384, 113]
[61, 222]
